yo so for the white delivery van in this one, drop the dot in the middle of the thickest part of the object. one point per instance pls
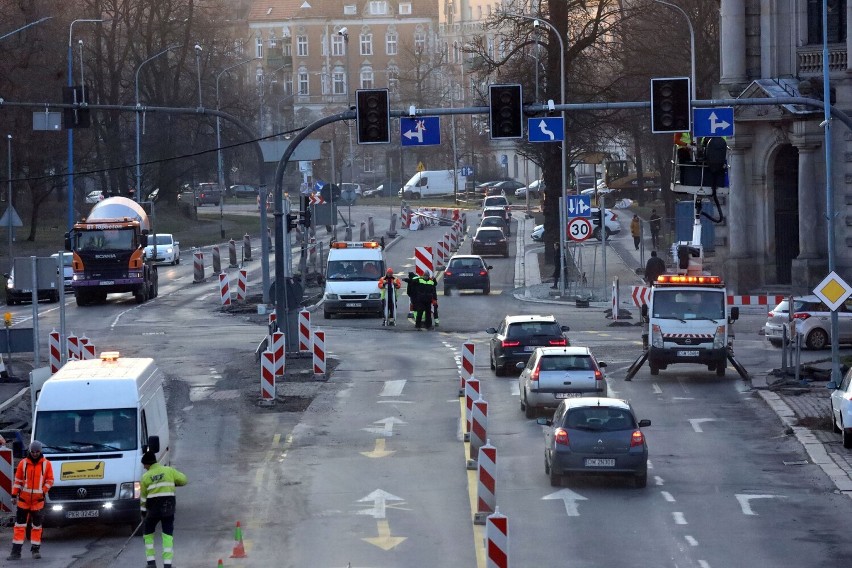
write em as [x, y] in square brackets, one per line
[431, 183]
[352, 279]
[95, 418]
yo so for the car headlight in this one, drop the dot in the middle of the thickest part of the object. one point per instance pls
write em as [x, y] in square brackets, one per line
[10, 284]
[169, 250]
[375, 296]
[331, 296]
[129, 490]
[656, 336]
[719, 338]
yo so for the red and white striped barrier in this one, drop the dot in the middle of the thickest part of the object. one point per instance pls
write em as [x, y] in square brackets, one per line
[6, 480]
[87, 349]
[278, 356]
[471, 393]
[497, 540]
[468, 361]
[454, 239]
[423, 260]
[486, 496]
[319, 353]
[224, 290]
[640, 295]
[241, 285]
[443, 251]
[267, 377]
[55, 351]
[304, 331]
[73, 347]
[197, 267]
[755, 300]
[404, 217]
[478, 430]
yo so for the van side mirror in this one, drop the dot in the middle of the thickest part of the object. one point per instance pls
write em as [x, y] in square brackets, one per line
[735, 314]
[644, 310]
[18, 448]
[67, 241]
[143, 240]
[153, 444]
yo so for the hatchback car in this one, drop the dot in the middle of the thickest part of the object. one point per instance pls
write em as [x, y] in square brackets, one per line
[537, 233]
[494, 222]
[841, 408]
[168, 249]
[242, 190]
[208, 194]
[613, 226]
[95, 197]
[467, 272]
[556, 373]
[495, 201]
[507, 186]
[518, 336]
[501, 211]
[490, 241]
[595, 436]
[812, 319]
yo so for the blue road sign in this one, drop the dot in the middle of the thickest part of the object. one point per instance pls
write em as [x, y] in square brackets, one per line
[549, 129]
[579, 205]
[466, 171]
[717, 121]
[420, 131]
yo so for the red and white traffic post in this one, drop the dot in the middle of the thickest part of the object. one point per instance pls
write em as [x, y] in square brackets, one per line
[319, 354]
[486, 494]
[497, 540]
[467, 363]
[267, 377]
[478, 430]
[304, 331]
[471, 393]
[224, 290]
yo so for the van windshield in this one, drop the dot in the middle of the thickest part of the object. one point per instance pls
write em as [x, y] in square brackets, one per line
[355, 269]
[87, 430]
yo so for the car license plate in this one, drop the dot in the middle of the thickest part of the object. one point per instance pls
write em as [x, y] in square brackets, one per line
[82, 514]
[466, 274]
[353, 304]
[529, 348]
[687, 353]
[598, 462]
[568, 394]
[107, 282]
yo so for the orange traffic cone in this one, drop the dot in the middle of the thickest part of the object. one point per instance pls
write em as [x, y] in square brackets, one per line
[239, 548]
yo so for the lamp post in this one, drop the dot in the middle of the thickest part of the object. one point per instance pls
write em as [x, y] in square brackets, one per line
[562, 220]
[219, 170]
[10, 227]
[345, 33]
[22, 28]
[691, 43]
[138, 108]
[71, 130]
[198, 73]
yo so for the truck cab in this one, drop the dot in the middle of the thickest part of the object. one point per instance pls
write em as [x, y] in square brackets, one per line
[352, 279]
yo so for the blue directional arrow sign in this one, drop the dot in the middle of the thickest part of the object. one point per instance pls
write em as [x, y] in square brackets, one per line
[717, 121]
[579, 205]
[466, 171]
[420, 131]
[546, 129]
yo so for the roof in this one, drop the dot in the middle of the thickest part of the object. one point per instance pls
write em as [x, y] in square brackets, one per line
[772, 88]
[523, 318]
[584, 401]
[564, 350]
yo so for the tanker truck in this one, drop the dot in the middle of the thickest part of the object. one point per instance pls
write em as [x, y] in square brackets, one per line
[108, 250]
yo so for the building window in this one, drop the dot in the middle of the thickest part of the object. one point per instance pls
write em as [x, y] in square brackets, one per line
[404, 8]
[288, 83]
[349, 10]
[273, 41]
[392, 43]
[337, 47]
[836, 21]
[324, 44]
[419, 42]
[302, 46]
[378, 7]
[304, 85]
[258, 47]
[366, 41]
[369, 162]
[288, 48]
[339, 78]
[367, 78]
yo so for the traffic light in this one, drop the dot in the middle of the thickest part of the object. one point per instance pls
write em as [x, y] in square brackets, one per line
[671, 105]
[292, 219]
[506, 111]
[372, 115]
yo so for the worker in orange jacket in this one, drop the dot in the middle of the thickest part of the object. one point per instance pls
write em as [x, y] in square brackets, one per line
[33, 479]
[389, 285]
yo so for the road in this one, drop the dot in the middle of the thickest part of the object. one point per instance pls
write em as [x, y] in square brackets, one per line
[373, 472]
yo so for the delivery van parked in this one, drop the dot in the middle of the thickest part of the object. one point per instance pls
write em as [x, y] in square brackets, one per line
[431, 183]
[94, 419]
[352, 279]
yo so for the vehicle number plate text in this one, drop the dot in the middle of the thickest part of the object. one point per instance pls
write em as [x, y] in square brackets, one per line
[568, 394]
[82, 514]
[687, 353]
[353, 304]
[529, 348]
[107, 282]
[466, 274]
[600, 462]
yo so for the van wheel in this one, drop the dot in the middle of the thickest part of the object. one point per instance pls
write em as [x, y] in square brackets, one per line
[654, 368]
[326, 314]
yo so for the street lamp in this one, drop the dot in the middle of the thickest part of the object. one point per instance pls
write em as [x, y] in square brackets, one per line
[71, 130]
[562, 229]
[138, 108]
[345, 33]
[220, 171]
[691, 42]
[9, 201]
[198, 73]
[22, 28]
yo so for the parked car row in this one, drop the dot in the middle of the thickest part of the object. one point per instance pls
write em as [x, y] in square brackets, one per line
[613, 227]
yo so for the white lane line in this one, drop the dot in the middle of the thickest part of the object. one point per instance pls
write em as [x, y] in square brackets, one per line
[514, 389]
[703, 564]
[696, 423]
[691, 540]
[657, 389]
[667, 496]
[679, 518]
[393, 388]
[658, 480]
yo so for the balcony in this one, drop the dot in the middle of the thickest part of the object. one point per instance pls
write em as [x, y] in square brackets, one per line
[275, 59]
[810, 59]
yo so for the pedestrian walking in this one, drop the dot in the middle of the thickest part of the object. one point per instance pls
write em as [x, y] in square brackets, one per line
[636, 230]
[654, 267]
[655, 223]
[389, 285]
[427, 293]
[557, 264]
[33, 479]
[157, 500]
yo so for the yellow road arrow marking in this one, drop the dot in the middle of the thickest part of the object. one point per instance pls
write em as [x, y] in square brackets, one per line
[379, 451]
[385, 541]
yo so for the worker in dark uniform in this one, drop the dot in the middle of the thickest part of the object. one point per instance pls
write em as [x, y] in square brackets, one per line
[654, 267]
[411, 291]
[426, 296]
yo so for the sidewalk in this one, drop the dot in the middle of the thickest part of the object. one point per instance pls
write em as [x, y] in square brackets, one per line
[803, 406]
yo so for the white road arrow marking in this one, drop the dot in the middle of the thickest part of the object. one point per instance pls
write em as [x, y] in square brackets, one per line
[387, 428]
[542, 125]
[570, 499]
[696, 423]
[717, 125]
[379, 498]
[745, 501]
[393, 388]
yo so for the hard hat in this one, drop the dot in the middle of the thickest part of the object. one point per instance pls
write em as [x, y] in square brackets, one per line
[390, 272]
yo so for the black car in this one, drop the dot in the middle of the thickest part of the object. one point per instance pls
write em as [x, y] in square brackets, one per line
[467, 272]
[518, 336]
[208, 194]
[242, 190]
[494, 222]
[490, 241]
[503, 212]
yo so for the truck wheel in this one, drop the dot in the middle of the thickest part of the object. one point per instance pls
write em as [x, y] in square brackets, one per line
[82, 298]
[720, 370]
[142, 294]
[54, 297]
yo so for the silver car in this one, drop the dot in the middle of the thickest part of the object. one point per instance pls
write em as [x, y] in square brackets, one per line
[556, 373]
[812, 320]
[595, 436]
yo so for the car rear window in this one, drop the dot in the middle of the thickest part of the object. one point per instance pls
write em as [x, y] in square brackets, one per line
[566, 363]
[600, 419]
[489, 235]
[530, 329]
[469, 263]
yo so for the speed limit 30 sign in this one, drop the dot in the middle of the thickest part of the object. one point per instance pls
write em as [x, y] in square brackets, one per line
[579, 229]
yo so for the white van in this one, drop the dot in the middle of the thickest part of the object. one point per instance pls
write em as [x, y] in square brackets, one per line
[352, 279]
[431, 183]
[95, 418]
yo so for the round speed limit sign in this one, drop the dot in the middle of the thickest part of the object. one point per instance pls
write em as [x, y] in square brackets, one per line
[579, 229]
